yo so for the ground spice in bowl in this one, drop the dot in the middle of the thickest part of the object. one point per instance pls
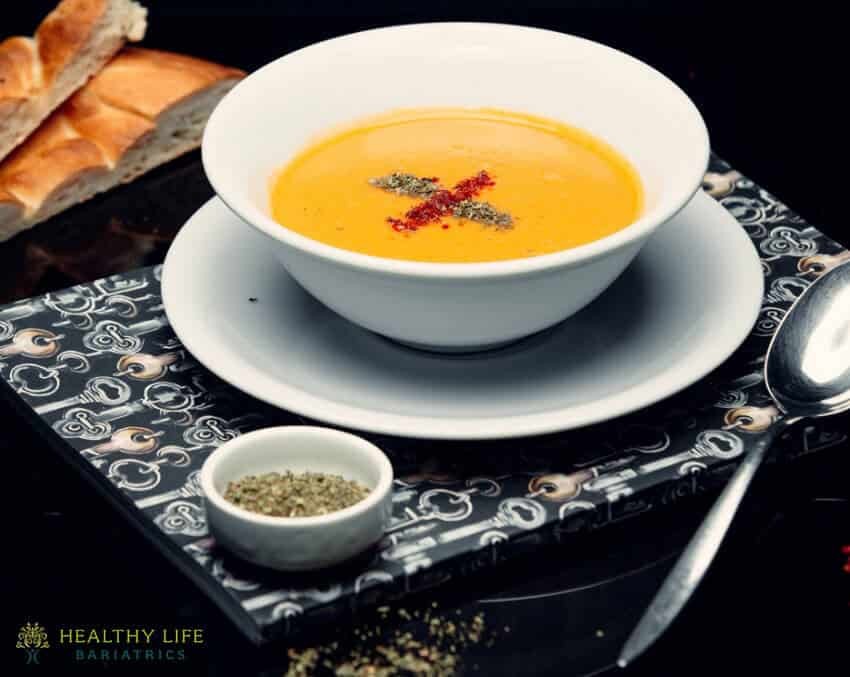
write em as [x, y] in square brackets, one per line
[289, 494]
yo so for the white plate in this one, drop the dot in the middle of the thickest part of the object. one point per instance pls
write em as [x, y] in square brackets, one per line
[682, 307]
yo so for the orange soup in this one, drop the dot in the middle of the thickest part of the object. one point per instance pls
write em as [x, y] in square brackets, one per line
[457, 186]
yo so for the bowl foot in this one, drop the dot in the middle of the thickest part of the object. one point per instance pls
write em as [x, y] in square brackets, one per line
[460, 350]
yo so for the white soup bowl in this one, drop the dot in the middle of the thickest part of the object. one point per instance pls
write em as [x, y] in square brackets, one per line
[276, 111]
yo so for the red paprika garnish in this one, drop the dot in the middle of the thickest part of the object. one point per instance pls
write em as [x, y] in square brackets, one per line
[441, 203]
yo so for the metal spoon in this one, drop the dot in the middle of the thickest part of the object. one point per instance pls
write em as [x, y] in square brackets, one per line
[807, 373]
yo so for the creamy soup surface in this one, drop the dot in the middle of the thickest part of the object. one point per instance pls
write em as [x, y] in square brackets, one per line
[457, 186]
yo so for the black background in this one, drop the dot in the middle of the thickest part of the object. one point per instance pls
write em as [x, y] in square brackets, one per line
[769, 81]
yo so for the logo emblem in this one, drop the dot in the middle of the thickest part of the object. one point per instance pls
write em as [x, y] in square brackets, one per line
[32, 637]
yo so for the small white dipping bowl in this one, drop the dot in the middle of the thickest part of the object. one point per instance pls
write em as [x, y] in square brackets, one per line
[298, 543]
[276, 111]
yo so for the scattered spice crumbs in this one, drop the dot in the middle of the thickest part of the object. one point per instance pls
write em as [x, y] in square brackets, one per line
[429, 644]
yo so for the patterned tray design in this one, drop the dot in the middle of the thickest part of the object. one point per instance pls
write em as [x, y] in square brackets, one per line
[99, 365]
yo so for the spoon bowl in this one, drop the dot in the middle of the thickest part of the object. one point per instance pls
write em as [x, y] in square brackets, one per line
[807, 370]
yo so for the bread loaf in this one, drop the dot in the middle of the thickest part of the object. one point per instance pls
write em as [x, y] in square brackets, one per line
[144, 108]
[72, 44]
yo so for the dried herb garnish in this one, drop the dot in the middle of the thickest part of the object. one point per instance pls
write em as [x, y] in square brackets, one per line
[483, 212]
[429, 643]
[294, 495]
[440, 202]
[407, 184]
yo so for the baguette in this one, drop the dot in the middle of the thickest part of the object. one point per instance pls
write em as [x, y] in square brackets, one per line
[72, 44]
[144, 108]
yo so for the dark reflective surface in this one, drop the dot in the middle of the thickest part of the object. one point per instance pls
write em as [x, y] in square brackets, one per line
[126, 228]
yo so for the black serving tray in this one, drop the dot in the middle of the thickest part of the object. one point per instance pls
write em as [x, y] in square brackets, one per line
[96, 370]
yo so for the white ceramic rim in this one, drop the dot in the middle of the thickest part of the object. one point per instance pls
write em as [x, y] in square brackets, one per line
[294, 399]
[281, 433]
[635, 231]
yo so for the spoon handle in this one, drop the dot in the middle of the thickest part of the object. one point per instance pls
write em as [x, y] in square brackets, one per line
[697, 556]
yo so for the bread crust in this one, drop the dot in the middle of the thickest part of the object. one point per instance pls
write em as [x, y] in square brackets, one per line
[148, 81]
[54, 153]
[97, 138]
[64, 32]
[111, 129]
[16, 72]
[11, 210]
[70, 45]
